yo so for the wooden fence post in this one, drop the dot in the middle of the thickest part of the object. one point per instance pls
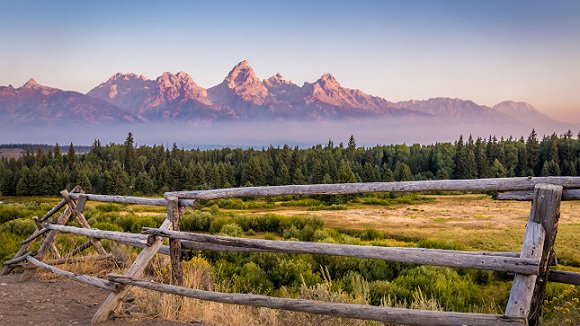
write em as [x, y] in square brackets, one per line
[174, 215]
[47, 243]
[77, 209]
[526, 297]
[135, 271]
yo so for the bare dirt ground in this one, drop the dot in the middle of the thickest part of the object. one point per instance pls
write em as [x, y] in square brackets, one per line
[56, 302]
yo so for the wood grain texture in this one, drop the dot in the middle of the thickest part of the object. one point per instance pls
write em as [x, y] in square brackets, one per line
[543, 215]
[366, 312]
[549, 215]
[94, 281]
[567, 194]
[74, 260]
[174, 215]
[135, 271]
[564, 277]
[132, 200]
[500, 184]
[78, 207]
[47, 242]
[95, 233]
[404, 255]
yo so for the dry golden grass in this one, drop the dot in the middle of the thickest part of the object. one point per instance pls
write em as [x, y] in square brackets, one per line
[475, 222]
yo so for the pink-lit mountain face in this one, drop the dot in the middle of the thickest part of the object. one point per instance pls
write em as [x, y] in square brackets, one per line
[241, 96]
[169, 96]
[34, 104]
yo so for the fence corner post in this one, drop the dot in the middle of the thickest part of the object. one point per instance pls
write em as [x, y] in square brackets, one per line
[527, 294]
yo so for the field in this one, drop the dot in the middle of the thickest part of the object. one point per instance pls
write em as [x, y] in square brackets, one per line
[448, 221]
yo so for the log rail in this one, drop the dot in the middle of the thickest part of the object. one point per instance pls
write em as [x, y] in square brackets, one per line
[530, 266]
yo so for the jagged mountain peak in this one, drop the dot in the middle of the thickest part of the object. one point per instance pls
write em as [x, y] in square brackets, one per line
[277, 80]
[171, 87]
[328, 81]
[240, 83]
[180, 79]
[31, 83]
[127, 76]
[242, 74]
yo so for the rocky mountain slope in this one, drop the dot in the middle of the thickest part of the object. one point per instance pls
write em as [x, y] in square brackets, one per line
[35, 104]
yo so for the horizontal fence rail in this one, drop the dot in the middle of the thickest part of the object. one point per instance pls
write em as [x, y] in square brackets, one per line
[394, 254]
[567, 194]
[500, 184]
[131, 200]
[381, 314]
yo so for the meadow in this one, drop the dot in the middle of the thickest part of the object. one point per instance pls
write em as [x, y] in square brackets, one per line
[445, 221]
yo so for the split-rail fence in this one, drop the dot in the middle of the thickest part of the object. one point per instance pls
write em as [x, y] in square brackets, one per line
[531, 266]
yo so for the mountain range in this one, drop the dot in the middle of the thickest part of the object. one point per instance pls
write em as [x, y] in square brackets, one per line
[241, 96]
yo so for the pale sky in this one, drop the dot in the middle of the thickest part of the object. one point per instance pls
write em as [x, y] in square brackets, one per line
[485, 51]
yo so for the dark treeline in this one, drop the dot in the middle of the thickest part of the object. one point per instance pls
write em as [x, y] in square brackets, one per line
[125, 169]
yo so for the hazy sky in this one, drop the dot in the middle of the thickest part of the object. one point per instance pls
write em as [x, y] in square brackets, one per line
[487, 51]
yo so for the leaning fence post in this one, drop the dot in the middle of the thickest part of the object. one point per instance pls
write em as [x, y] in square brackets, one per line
[526, 297]
[135, 271]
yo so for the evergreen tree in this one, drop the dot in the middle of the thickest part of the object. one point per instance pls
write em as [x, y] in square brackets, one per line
[198, 176]
[252, 174]
[470, 163]
[58, 161]
[130, 161]
[23, 188]
[345, 174]
[71, 156]
[461, 168]
[283, 177]
[497, 170]
[481, 159]
[550, 168]
[144, 184]
[317, 171]
[533, 153]
[116, 180]
[402, 172]
[388, 176]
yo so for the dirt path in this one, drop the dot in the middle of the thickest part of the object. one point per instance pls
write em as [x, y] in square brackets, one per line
[56, 302]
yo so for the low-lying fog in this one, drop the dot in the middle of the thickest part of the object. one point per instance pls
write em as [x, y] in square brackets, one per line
[261, 134]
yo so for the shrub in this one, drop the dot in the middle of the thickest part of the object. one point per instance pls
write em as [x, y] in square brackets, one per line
[22, 227]
[232, 230]
[292, 272]
[433, 244]
[372, 234]
[9, 245]
[105, 226]
[451, 290]
[196, 221]
[252, 279]
[11, 212]
[145, 221]
[382, 291]
[108, 207]
[126, 222]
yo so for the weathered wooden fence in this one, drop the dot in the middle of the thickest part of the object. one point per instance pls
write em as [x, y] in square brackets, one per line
[531, 266]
